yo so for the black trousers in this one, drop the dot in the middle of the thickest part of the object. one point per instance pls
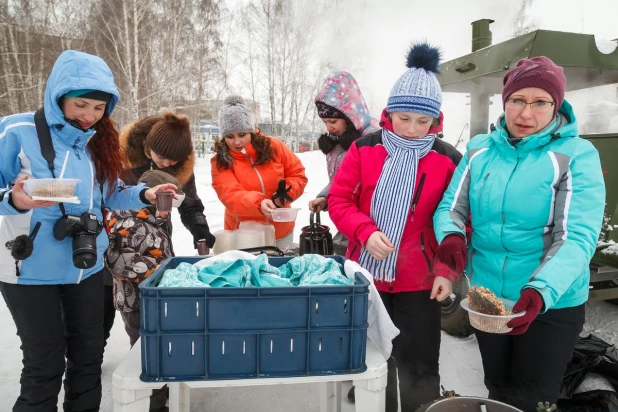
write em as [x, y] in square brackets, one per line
[54, 321]
[108, 304]
[109, 312]
[526, 369]
[416, 350]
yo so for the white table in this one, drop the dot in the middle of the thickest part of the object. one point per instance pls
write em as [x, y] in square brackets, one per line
[132, 395]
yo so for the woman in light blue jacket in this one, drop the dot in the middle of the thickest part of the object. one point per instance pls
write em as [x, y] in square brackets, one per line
[534, 192]
[50, 269]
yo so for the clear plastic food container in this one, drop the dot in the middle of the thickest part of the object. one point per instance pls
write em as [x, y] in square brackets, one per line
[491, 323]
[61, 190]
[285, 214]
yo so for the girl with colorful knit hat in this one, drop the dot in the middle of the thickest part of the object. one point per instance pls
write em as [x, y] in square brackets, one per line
[342, 108]
[382, 199]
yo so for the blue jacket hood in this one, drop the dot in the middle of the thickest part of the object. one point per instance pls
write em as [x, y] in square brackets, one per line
[74, 70]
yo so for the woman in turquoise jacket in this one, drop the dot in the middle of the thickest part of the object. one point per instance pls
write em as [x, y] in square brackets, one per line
[534, 192]
[50, 272]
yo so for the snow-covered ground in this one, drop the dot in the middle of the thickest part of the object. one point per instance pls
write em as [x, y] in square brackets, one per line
[460, 364]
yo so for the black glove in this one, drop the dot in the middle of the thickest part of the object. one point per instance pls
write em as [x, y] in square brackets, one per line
[200, 232]
[281, 194]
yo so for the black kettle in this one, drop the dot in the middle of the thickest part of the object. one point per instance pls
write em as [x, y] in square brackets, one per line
[316, 238]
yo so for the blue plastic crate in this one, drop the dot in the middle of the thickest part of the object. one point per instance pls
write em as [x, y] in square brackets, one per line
[230, 333]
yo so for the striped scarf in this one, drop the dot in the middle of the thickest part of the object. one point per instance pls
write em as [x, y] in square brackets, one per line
[392, 198]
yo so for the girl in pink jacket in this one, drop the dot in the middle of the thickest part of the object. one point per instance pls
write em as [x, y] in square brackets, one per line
[383, 199]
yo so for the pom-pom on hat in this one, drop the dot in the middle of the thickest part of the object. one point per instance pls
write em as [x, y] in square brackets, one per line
[235, 116]
[418, 89]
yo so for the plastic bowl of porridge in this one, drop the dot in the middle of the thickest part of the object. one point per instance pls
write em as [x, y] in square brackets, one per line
[51, 189]
[492, 323]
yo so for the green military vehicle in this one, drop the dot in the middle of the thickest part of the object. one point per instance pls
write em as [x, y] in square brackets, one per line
[479, 74]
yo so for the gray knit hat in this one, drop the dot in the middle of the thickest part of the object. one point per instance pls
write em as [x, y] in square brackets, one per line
[235, 116]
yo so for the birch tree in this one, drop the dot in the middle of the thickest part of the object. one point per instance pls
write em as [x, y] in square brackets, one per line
[123, 35]
[524, 22]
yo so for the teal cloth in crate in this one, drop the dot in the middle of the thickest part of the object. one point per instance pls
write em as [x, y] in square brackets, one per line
[184, 276]
[307, 270]
[242, 273]
[312, 270]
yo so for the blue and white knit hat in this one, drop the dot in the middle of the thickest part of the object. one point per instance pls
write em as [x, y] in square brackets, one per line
[418, 89]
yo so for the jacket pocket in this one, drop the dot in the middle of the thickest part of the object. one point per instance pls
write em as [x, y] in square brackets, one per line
[417, 196]
[481, 190]
[349, 256]
[425, 255]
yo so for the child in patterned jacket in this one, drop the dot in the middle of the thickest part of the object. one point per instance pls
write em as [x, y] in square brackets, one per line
[139, 241]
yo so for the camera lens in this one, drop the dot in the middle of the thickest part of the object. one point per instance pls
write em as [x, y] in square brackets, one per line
[84, 250]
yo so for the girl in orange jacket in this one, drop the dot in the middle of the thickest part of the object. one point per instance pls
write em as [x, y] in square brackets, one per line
[252, 173]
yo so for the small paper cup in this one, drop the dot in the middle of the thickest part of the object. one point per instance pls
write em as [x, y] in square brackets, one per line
[178, 202]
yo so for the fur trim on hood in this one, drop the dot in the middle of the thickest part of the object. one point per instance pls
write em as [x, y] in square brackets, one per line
[133, 143]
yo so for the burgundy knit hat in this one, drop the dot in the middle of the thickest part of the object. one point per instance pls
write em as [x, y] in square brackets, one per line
[538, 72]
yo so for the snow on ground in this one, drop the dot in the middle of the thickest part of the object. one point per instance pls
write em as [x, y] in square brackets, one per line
[460, 364]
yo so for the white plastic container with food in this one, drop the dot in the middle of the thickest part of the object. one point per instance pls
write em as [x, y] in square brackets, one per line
[492, 323]
[55, 190]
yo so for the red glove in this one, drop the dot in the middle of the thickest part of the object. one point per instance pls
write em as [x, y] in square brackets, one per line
[442, 270]
[532, 302]
[453, 252]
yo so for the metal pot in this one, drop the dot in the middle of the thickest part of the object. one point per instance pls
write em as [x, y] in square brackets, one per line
[467, 404]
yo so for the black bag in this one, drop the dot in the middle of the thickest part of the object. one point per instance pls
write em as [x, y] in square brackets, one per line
[316, 238]
[591, 355]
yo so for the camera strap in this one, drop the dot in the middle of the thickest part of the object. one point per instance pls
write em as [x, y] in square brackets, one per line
[47, 147]
[48, 152]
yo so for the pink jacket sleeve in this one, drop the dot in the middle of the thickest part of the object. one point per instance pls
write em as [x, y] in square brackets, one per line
[343, 200]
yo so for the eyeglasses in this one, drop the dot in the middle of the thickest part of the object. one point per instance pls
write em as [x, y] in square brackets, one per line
[540, 106]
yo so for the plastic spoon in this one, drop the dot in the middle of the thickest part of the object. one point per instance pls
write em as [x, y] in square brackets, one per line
[480, 302]
[64, 165]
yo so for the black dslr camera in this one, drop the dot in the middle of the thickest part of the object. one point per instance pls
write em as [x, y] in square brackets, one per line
[84, 230]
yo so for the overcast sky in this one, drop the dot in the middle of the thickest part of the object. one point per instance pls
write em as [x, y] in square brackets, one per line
[380, 32]
[390, 25]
